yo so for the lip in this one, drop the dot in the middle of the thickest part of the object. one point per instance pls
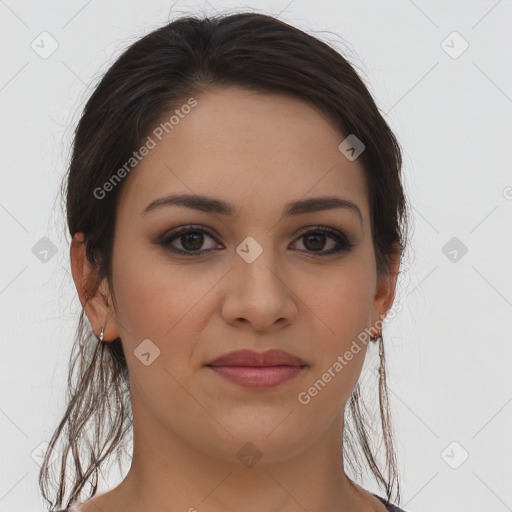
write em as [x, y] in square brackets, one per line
[257, 370]
[271, 357]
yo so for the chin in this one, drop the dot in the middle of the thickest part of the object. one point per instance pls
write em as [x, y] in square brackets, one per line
[258, 440]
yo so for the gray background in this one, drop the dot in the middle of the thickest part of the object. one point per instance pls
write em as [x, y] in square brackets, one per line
[449, 349]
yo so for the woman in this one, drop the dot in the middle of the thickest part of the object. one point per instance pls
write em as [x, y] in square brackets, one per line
[237, 222]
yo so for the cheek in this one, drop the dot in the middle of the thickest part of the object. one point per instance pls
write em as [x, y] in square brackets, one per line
[341, 311]
[343, 301]
[156, 300]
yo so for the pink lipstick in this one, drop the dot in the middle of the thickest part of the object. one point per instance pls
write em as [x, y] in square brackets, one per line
[257, 370]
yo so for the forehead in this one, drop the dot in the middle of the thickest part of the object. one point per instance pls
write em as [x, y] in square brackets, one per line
[256, 150]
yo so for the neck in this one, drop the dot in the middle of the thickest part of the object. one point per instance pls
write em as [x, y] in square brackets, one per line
[169, 474]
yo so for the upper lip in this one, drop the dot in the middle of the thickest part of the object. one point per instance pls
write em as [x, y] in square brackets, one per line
[271, 357]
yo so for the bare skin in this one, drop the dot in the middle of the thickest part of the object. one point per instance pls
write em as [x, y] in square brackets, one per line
[257, 151]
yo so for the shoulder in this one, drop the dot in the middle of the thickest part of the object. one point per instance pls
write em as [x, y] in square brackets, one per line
[390, 507]
[97, 503]
[394, 508]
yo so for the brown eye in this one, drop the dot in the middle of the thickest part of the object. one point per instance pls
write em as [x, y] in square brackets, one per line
[316, 240]
[190, 240]
[187, 241]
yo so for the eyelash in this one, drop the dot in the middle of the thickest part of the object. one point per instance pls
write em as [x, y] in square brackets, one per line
[343, 243]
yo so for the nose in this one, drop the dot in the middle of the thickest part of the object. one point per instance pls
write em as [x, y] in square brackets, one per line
[259, 295]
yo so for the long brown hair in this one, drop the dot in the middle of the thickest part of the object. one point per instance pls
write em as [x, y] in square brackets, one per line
[152, 77]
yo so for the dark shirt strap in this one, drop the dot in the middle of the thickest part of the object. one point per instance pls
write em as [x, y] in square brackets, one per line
[390, 507]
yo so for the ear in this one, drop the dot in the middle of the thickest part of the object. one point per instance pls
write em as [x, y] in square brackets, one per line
[385, 290]
[97, 304]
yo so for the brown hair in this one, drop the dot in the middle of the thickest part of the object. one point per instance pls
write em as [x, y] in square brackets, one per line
[154, 76]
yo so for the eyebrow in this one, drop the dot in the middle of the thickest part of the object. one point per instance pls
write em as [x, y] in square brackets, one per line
[213, 205]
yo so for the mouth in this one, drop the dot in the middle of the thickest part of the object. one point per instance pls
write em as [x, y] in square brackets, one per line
[257, 370]
[257, 377]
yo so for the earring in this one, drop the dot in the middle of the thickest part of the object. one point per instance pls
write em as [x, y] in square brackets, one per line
[382, 373]
[376, 338]
[101, 334]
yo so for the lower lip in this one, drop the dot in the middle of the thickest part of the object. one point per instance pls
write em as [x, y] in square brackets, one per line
[257, 377]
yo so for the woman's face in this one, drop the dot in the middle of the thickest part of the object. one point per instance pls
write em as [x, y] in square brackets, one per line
[258, 282]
